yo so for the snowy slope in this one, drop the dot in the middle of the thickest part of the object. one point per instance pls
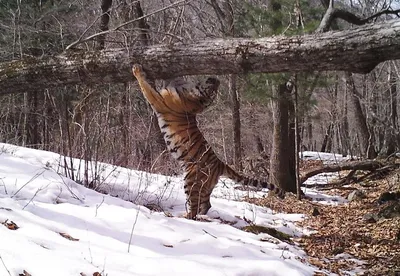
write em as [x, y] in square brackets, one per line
[119, 236]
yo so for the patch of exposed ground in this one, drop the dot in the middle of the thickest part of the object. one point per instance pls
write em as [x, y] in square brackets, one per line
[349, 233]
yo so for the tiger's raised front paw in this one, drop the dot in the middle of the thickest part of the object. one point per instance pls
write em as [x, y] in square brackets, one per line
[138, 71]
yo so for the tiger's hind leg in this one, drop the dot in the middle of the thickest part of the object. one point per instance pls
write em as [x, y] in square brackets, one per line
[198, 205]
[197, 199]
[198, 188]
[205, 205]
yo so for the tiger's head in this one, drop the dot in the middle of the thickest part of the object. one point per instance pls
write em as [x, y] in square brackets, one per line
[192, 98]
[208, 91]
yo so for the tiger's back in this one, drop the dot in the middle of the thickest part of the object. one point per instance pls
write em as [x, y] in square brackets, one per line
[176, 107]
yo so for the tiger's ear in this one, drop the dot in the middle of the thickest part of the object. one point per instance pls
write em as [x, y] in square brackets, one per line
[213, 81]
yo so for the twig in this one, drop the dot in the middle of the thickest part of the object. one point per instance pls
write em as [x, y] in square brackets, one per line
[158, 157]
[81, 40]
[32, 198]
[68, 188]
[133, 228]
[86, 30]
[29, 181]
[4, 185]
[98, 206]
[5, 265]
[382, 170]
[215, 237]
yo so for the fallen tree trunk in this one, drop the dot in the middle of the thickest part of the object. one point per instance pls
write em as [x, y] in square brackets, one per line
[357, 50]
[369, 165]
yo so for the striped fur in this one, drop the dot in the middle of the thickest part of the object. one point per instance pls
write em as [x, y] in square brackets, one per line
[176, 107]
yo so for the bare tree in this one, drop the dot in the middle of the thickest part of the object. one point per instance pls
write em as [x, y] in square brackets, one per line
[283, 161]
[104, 20]
[281, 151]
[366, 138]
[391, 142]
[226, 19]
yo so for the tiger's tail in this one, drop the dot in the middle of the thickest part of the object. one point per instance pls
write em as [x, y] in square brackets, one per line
[240, 179]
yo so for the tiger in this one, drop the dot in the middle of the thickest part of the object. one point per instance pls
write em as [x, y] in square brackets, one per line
[176, 107]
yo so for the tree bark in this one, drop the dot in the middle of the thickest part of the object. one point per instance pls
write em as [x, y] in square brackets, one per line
[327, 137]
[236, 121]
[390, 139]
[358, 50]
[104, 20]
[367, 144]
[344, 127]
[292, 139]
[33, 137]
[280, 169]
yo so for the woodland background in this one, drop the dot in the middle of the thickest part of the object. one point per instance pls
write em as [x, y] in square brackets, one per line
[337, 112]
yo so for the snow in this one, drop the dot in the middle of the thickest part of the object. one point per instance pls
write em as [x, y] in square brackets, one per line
[118, 235]
[324, 156]
[323, 178]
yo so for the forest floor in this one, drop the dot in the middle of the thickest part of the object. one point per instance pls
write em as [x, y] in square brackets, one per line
[53, 225]
[133, 225]
[354, 234]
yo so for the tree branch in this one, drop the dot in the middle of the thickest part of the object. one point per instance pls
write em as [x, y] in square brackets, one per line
[356, 50]
[82, 40]
[354, 19]
[333, 13]
[369, 165]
